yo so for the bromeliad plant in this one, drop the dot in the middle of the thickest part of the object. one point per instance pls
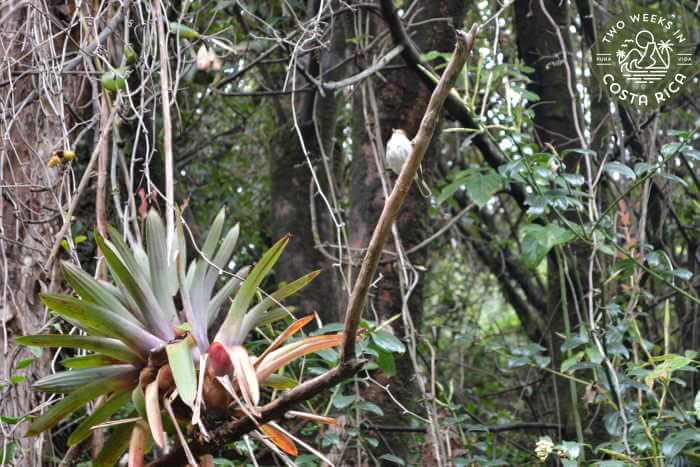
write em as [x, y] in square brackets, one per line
[147, 337]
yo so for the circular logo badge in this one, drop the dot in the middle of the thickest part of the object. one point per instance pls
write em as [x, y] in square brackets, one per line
[644, 58]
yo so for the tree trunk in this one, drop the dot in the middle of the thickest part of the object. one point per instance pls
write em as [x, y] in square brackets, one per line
[544, 44]
[36, 121]
[294, 209]
[400, 99]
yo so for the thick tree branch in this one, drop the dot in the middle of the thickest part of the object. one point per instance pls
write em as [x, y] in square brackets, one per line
[276, 409]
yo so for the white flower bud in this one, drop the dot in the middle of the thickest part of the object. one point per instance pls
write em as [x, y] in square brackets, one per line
[544, 448]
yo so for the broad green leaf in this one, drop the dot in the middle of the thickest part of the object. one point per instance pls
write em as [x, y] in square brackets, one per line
[183, 31]
[115, 447]
[114, 80]
[229, 329]
[67, 381]
[449, 190]
[106, 323]
[387, 363]
[388, 342]
[341, 402]
[73, 402]
[674, 443]
[370, 407]
[99, 415]
[539, 239]
[182, 366]
[619, 168]
[279, 382]
[482, 186]
[103, 345]
[671, 149]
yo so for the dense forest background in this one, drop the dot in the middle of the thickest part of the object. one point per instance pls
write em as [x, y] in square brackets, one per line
[540, 304]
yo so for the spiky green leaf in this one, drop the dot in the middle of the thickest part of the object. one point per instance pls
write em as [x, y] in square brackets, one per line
[87, 361]
[162, 271]
[74, 401]
[92, 291]
[100, 319]
[138, 288]
[258, 311]
[99, 415]
[102, 345]
[214, 306]
[116, 447]
[229, 329]
[67, 381]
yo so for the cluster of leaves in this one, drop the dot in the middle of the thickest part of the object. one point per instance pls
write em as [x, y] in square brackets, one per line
[159, 336]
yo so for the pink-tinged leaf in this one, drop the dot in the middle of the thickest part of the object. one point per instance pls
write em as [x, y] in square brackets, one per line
[280, 440]
[219, 360]
[137, 445]
[286, 334]
[102, 345]
[290, 352]
[155, 422]
[245, 375]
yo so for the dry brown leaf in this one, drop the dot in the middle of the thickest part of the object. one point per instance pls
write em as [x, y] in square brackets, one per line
[280, 440]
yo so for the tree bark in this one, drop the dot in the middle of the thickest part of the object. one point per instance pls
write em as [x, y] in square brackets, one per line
[36, 120]
[556, 113]
[293, 188]
[400, 99]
